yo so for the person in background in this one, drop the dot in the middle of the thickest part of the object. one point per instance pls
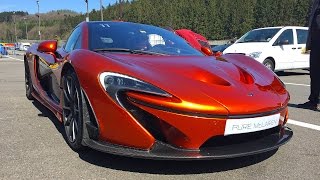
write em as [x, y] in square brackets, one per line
[3, 50]
[313, 44]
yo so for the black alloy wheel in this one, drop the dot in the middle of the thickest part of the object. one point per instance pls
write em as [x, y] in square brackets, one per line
[72, 111]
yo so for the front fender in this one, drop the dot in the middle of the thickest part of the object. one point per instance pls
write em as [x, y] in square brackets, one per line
[116, 125]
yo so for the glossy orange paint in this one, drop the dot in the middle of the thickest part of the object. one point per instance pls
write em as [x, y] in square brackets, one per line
[49, 46]
[201, 88]
[207, 51]
[198, 85]
[196, 130]
[116, 125]
[218, 54]
[179, 105]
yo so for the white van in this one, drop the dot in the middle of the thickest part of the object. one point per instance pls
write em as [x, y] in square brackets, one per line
[278, 48]
[24, 46]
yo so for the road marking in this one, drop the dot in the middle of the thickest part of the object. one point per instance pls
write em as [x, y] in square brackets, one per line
[306, 85]
[14, 58]
[303, 124]
[6, 118]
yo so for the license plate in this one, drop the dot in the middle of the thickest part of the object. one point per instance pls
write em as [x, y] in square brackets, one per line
[246, 125]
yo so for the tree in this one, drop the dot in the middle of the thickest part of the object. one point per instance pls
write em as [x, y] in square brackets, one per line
[215, 19]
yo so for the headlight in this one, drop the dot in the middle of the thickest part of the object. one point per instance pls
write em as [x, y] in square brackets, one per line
[255, 54]
[114, 82]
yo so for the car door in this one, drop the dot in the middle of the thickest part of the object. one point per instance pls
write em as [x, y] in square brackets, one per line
[48, 68]
[283, 49]
[45, 66]
[301, 59]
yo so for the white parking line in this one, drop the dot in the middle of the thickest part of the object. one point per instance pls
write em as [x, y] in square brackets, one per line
[307, 85]
[303, 124]
[15, 58]
[6, 118]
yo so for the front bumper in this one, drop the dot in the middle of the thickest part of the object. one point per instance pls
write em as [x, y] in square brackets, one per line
[162, 151]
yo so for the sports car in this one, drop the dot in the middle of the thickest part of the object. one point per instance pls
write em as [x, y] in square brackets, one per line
[142, 91]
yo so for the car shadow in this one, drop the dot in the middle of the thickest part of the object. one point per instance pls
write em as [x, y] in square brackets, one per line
[155, 166]
[295, 106]
[291, 73]
[170, 167]
[45, 112]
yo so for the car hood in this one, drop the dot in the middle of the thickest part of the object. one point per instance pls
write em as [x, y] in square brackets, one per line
[205, 84]
[246, 48]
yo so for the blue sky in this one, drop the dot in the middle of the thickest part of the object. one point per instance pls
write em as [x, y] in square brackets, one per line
[47, 5]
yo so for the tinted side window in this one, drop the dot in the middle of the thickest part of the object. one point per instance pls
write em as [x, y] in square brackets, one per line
[72, 40]
[302, 36]
[286, 38]
[78, 43]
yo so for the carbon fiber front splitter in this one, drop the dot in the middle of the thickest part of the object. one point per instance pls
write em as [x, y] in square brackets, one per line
[162, 151]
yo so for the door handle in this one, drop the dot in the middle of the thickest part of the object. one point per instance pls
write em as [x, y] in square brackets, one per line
[294, 48]
[299, 47]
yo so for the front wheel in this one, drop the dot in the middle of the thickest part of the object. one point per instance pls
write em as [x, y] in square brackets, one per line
[72, 111]
[269, 64]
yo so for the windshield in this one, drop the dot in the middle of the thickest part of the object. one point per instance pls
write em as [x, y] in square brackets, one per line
[220, 48]
[259, 35]
[123, 37]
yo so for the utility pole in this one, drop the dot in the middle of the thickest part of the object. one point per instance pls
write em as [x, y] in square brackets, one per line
[120, 10]
[15, 26]
[87, 18]
[25, 22]
[39, 20]
[101, 10]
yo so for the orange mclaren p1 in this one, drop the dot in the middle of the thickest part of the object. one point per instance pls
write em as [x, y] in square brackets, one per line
[142, 91]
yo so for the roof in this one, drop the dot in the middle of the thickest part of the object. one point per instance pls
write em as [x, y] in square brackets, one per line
[295, 27]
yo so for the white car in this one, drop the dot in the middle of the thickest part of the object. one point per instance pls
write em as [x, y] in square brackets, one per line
[278, 48]
[23, 46]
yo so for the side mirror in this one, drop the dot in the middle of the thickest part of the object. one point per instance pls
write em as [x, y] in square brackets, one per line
[49, 46]
[218, 54]
[207, 51]
[283, 42]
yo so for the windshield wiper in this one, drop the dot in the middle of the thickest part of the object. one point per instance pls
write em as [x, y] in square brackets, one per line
[147, 52]
[128, 51]
[112, 50]
[247, 41]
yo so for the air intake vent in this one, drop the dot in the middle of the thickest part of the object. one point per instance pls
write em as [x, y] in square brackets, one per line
[238, 138]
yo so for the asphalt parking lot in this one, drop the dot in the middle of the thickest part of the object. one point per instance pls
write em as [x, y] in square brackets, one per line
[32, 145]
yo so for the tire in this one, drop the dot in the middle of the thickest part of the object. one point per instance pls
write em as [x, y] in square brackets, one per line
[72, 105]
[28, 83]
[269, 64]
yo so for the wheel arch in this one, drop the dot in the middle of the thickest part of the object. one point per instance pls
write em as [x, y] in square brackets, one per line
[91, 125]
[66, 67]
